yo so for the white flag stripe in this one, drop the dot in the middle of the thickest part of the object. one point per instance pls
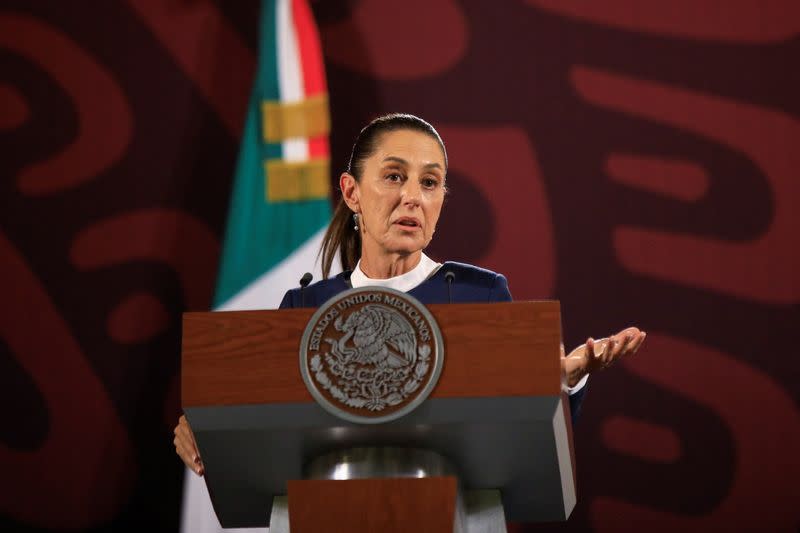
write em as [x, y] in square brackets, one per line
[266, 291]
[290, 76]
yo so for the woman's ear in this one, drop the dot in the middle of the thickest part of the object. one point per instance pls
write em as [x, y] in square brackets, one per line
[349, 188]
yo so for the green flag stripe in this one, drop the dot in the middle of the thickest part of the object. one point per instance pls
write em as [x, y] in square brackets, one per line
[243, 257]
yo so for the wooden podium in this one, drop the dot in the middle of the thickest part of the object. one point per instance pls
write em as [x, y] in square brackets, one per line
[499, 416]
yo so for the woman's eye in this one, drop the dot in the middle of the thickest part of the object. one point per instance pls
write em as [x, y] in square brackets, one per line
[394, 177]
[429, 183]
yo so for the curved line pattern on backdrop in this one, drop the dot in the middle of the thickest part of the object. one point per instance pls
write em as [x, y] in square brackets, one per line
[105, 119]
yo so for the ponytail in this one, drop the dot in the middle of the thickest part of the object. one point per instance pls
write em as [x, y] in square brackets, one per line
[343, 238]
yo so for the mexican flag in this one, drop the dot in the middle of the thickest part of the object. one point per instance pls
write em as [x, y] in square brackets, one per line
[280, 200]
[279, 207]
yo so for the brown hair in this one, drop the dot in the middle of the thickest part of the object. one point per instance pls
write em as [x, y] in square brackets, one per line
[341, 235]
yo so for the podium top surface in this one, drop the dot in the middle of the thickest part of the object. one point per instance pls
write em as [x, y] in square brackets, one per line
[252, 357]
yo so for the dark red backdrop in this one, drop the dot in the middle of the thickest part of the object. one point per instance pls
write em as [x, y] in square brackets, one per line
[639, 164]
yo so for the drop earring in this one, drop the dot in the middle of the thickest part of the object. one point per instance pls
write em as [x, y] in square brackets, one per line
[355, 221]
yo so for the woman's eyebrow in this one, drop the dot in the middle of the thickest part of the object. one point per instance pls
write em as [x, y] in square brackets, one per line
[394, 159]
[402, 161]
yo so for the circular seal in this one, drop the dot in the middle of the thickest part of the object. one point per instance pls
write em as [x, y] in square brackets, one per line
[371, 355]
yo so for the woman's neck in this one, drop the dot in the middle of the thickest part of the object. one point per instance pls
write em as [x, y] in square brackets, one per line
[384, 266]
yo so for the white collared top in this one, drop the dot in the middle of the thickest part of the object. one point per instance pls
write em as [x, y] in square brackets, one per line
[403, 282]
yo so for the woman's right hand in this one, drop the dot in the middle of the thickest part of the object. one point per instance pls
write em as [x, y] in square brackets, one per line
[186, 447]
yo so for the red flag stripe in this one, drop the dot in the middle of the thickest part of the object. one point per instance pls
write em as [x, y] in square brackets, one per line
[312, 65]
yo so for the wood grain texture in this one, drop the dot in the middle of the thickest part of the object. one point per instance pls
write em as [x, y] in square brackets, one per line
[252, 357]
[386, 505]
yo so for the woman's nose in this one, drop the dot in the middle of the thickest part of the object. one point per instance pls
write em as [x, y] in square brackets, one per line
[411, 191]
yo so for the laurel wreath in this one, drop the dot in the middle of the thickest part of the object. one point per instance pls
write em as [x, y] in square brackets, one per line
[375, 388]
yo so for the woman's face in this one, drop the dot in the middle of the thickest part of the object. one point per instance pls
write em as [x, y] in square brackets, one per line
[400, 194]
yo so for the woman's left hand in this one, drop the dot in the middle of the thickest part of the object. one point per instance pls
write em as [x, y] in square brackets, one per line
[600, 354]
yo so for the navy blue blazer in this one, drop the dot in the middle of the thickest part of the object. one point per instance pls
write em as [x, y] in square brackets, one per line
[469, 284]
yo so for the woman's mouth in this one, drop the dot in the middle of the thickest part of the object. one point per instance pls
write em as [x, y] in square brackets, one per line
[408, 223]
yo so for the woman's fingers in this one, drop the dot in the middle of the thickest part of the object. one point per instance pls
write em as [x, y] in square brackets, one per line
[187, 436]
[592, 357]
[186, 455]
[590, 345]
[623, 345]
[628, 342]
[183, 452]
[597, 353]
[186, 447]
[636, 343]
[185, 425]
[611, 351]
[614, 347]
[603, 353]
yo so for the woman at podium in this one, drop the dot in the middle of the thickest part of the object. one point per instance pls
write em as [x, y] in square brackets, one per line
[392, 196]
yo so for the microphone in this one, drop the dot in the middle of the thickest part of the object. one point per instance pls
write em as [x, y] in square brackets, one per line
[449, 277]
[304, 281]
